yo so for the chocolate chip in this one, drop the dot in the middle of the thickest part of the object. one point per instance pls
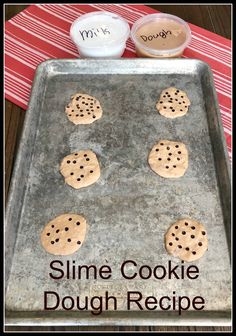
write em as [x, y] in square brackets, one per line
[52, 242]
[159, 159]
[173, 234]
[48, 234]
[66, 228]
[78, 179]
[203, 232]
[174, 166]
[199, 244]
[176, 227]
[176, 238]
[157, 150]
[78, 242]
[85, 155]
[77, 223]
[70, 219]
[52, 226]
[57, 231]
[81, 115]
[193, 227]
[68, 161]
[91, 171]
[76, 153]
[81, 167]
[183, 232]
[57, 240]
[170, 244]
[168, 159]
[69, 240]
[179, 246]
[74, 161]
[179, 152]
[87, 159]
[192, 236]
[187, 249]
[94, 116]
[186, 223]
[194, 252]
[167, 167]
[167, 148]
[81, 176]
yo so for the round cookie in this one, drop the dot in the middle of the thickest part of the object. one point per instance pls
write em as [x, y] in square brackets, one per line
[64, 235]
[80, 169]
[186, 239]
[169, 159]
[173, 103]
[83, 109]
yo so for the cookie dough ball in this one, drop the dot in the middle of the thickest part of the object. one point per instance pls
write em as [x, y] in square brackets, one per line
[83, 109]
[169, 159]
[80, 169]
[64, 235]
[186, 239]
[173, 103]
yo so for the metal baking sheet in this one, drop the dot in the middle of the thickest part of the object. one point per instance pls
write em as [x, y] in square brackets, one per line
[130, 208]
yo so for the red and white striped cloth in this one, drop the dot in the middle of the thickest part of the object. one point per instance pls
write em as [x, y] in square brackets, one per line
[41, 32]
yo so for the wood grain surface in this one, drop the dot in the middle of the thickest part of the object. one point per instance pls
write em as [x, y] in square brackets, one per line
[215, 18]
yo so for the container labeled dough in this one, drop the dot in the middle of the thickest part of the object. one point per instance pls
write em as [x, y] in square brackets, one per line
[160, 35]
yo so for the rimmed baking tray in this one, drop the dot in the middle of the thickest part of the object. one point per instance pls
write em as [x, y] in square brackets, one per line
[130, 208]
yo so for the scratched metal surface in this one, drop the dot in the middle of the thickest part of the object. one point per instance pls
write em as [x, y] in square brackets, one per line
[130, 208]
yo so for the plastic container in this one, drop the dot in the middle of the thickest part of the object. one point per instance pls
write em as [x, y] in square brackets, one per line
[160, 35]
[100, 34]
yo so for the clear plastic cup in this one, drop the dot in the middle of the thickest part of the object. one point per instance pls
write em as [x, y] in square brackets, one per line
[100, 34]
[160, 35]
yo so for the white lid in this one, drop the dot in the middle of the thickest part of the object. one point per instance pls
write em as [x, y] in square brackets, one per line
[99, 29]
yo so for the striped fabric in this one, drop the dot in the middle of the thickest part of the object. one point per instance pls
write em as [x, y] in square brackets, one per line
[41, 32]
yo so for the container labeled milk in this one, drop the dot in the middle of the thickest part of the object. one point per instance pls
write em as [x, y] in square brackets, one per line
[100, 34]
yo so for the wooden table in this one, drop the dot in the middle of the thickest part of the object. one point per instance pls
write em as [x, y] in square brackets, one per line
[215, 18]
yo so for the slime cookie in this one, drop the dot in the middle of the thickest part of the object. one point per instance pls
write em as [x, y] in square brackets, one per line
[64, 235]
[83, 109]
[169, 159]
[186, 239]
[80, 169]
[173, 103]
